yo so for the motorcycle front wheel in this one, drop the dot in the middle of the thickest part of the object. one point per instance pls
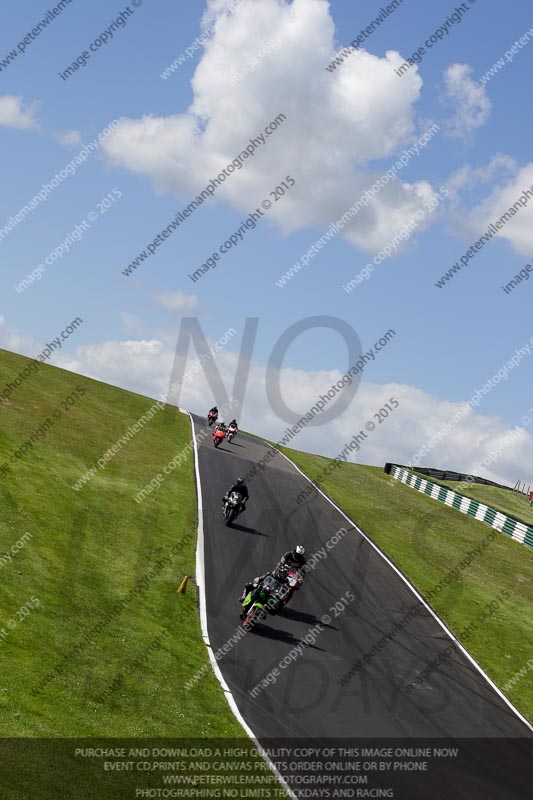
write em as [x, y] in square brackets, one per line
[255, 615]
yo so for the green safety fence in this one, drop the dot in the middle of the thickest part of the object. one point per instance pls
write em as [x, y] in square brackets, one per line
[518, 531]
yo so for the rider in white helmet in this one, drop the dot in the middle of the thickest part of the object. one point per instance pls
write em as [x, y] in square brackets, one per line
[295, 558]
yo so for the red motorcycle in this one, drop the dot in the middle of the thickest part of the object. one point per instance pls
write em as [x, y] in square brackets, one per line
[291, 578]
[218, 436]
[212, 417]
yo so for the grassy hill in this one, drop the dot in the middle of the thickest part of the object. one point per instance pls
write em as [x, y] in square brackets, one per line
[94, 639]
[515, 505]
[427, 540]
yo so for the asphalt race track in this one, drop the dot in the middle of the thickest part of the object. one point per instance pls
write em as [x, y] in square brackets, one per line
[306, 700]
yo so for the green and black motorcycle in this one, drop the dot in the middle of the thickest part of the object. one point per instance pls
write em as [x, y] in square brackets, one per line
[266, 598]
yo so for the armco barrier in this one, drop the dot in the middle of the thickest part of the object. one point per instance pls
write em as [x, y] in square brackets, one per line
[450, 475]
[518, 531]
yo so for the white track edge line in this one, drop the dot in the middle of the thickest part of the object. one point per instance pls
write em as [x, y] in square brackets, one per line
[200, 582]
[413, 589]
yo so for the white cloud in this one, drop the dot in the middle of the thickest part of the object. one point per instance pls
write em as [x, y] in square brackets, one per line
[11, 340]
[139, 365]
[14, 114]
[176, 301]
[469, 101]
[145, 366]
[469, 178]
[69, 138]
[336, 124]
[133, 324]
[217, 12]
[518, 231]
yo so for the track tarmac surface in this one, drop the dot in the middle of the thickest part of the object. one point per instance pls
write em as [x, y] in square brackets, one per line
[306, 698]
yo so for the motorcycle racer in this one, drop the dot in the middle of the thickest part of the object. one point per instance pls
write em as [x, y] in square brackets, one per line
[252, 586]
[240, 487]
[219, 434]
[232, 431]
[295, 558]
[266, 591]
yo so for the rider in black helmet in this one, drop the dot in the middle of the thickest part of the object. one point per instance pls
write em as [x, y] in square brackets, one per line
[240, 487]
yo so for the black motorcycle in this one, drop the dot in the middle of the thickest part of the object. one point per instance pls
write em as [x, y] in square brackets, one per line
[232, 507]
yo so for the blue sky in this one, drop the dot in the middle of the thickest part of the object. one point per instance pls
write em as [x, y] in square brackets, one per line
[448, 341]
